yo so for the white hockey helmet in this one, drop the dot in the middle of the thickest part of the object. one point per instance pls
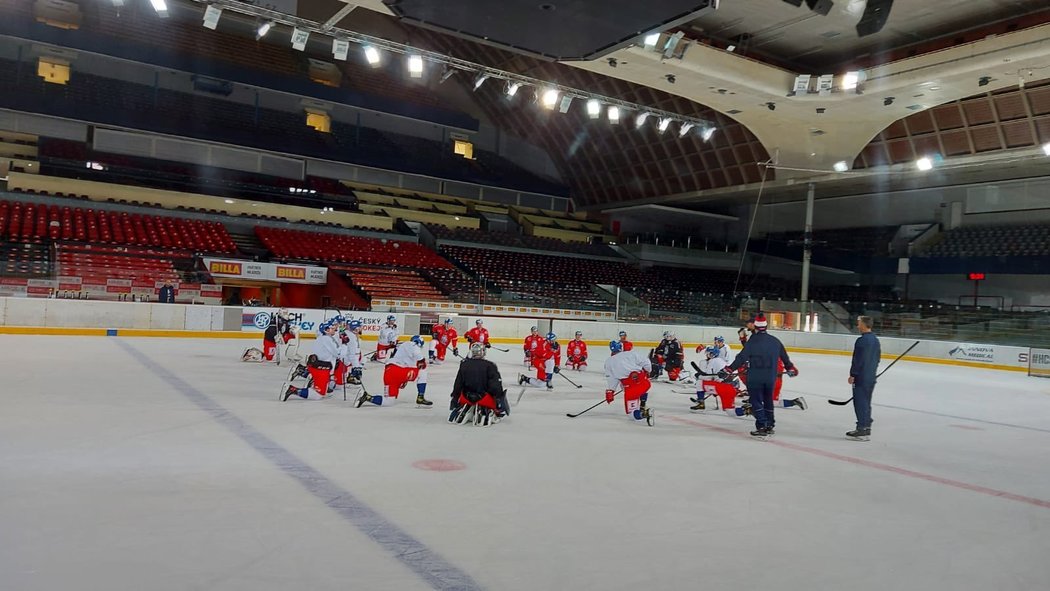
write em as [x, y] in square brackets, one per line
[477, 350]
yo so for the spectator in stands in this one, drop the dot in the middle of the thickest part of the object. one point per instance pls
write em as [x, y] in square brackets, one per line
[167, 293]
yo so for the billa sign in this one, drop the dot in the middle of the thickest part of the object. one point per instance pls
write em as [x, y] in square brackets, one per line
[224, 268]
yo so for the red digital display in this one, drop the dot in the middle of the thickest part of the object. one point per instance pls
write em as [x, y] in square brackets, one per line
[976, 276]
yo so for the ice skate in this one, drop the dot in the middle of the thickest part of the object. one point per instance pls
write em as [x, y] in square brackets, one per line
[421, 401]
[522, 379]
[363, 398]
[762, 432]
[289, 392]
[800, 402]
[647, 414]
[859, 435]
[698, 406]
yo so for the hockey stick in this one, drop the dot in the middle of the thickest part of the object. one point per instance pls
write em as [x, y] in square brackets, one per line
[899, 357]
[599, 403]
[520, 394]
[573, 416]
[500, 349]
[562, 374]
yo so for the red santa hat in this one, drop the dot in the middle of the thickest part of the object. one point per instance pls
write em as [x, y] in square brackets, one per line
[760, 322]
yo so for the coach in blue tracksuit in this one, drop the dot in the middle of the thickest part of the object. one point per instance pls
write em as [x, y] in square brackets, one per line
[761, 354]
[866, 355]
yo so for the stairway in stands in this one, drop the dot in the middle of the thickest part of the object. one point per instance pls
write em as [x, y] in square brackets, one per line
[250, 245]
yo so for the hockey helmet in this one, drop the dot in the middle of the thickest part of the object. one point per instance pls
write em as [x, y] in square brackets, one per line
[325, 326]
[354, 325]
[623, 333]
[477, 350]
[478, 322]
[417, 340]
[667, 334]
[671, 335]
[615, 347]
[283, 313]
[391, 319]
[711, 352]
[534, 330]
[579, 333]
[448, 321]
[720, 339]
[551, 336]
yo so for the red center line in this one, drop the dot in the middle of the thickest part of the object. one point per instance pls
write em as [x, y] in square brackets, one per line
[878, 466]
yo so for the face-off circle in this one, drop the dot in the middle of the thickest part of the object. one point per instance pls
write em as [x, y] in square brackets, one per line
[439, 465]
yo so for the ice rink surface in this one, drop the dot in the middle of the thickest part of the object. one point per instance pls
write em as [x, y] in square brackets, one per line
[168, 464]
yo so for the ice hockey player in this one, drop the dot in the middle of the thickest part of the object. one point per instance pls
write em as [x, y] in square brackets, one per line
[723, 349]
[577, 352]
[478, 334]
[407, 364]
[279, 328]
[628, 370]
[531, 342]
[387, 339]
[350, 353]
[478, 396]
[319, 364]
[627, 345]
[546, 358]
[444, 336]
[761, 354]
[669, 355]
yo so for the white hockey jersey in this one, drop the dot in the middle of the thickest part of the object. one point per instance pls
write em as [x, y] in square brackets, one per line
[726, 354]
[351, 351]
[388, 335]
[327, 348]
[408, 355]
[713, 366]
[620, 366]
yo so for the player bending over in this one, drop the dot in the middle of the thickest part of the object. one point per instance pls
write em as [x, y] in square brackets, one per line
[478, 396]
[630, 371]
[408, 364]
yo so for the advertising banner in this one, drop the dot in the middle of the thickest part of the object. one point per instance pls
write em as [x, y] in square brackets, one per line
[255, 319]
[280, 273]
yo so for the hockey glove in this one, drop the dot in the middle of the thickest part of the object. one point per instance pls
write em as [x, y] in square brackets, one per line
[455, 351]
[609, 396]
[356, 373]
[723, 375]
[487, 345]
[557, 369]
[793, 372]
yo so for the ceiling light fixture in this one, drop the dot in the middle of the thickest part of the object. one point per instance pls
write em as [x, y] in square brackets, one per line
[1046, 149]
[708, 133]
[262, 30]
[550, 98]
[480, 80]
[664, 124]
[924, 164]
[512, 88]
[372, 56]
[415, 66]
[651, 40]
[161, 7]
[640, 119]
[841, 166]
[594, 109]
[613, 113]
[684, 129]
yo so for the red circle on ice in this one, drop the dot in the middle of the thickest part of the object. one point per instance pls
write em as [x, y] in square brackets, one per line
[438, 465]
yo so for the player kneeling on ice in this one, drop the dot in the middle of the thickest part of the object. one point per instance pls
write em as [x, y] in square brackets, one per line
[546, 358]
[444, 336]
[350, 357]
[577, 352]
[630, 371]
[724, 389]
[408, 364]
[387, 339]
[478, 396]
[320, 365]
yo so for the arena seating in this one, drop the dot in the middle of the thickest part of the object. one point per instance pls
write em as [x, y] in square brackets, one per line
[1001, 240]
[386, 283]
[522, 241]
[29, 222]
[88, 261]
[341, 248]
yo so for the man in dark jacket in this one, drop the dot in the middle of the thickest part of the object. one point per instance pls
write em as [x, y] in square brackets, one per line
[478, 396]
[866, 354]
[761, 354]
[167, 293]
